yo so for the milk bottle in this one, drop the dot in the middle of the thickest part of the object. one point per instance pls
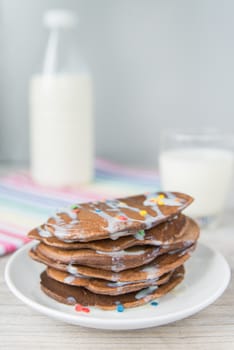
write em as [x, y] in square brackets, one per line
[61, 115]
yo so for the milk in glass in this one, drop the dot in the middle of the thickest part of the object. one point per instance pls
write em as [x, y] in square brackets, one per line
[204, 173]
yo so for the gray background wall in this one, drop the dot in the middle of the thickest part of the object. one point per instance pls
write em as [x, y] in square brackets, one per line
[155, 63]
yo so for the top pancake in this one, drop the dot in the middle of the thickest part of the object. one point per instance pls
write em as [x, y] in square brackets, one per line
[177, 232]
[113, 218]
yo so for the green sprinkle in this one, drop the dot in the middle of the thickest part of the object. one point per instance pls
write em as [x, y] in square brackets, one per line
[74, 206]
[141, 232]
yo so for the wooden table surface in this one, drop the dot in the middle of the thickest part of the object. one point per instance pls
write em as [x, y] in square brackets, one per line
[212, 328]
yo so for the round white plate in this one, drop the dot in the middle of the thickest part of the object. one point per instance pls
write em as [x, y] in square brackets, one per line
[207, 276]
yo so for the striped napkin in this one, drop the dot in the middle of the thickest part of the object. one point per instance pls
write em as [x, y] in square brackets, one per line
[24, 204]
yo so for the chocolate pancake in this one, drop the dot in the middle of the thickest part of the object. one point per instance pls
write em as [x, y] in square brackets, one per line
[99, 286]
[72, 295]
[179, 231]
[113, 218]
[113, 261]
[155, 269]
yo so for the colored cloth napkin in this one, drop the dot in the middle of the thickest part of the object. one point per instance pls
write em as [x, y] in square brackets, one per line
[24, 204]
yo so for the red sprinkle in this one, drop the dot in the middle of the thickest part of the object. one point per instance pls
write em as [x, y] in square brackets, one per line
[76, 210]
[122, 217]
[86, 309]
[80, 308]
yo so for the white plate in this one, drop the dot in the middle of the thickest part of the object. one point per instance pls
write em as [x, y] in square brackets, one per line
[207, 276]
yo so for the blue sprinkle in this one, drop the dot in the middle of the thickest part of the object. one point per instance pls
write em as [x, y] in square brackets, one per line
[120, 308]
[154, 303]
[98, 210]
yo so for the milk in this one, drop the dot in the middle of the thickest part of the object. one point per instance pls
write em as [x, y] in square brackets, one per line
[61, 129]
[204, 173]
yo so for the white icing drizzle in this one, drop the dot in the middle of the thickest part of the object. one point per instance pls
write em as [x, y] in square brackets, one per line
[122, 284]
[113, 222]
[115, 277]
[171, 219]
[150, 270]
[72, 269]
[118, 284]
[60, 233]
[117, 263]
[69, 279]
[180, 251]
[68, 241]
[188, 243]
[145, 292]
[156, 242]
[179, 274]
[121, 253]
[71, 300]
[43, 233]
[61, 228]
[117, 235]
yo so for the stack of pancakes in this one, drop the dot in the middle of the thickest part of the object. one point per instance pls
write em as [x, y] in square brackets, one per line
[125, 252]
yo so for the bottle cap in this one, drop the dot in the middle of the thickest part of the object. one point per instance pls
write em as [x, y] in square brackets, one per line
[60, 18]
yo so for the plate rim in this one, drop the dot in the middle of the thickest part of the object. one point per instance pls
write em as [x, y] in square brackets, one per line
[115, 323]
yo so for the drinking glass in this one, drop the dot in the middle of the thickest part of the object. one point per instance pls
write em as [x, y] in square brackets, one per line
[199, 163]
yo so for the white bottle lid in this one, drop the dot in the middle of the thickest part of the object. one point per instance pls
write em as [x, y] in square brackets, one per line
[60, 18]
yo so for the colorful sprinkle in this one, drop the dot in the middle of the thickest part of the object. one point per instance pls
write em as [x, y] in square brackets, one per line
[80, 308]
[75, 208]
[98, 210]
[86, 310]
[120, 308]
[143, 212]
[121, 217]
[154, 303]
[159, 199]
[141, 232]
[161, 196]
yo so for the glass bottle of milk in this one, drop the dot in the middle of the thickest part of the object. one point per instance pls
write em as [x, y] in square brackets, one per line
[61, 116]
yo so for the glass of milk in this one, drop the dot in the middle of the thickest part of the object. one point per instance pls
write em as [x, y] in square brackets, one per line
[200, 164]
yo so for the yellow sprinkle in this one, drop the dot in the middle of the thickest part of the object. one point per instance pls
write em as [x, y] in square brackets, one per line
[161, 196]
[143, 212]
[160, 202]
